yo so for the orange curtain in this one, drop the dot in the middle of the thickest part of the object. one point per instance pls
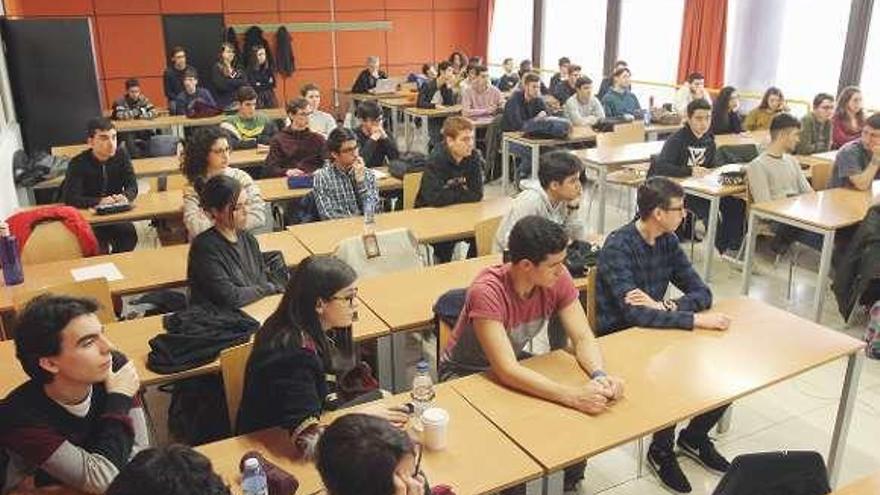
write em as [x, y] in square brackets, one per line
[703, 34]
[484, 25]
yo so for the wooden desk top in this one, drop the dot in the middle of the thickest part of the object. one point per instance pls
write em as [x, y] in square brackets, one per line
[670, 375]
[378, 96]
[612, 156]
[711, 185]
[427, 224]
[869, 485]
[433, 112]
[472, 440]
[829, 209]
[752, 137]
[161, 122]
[579, 134]
[406, 101]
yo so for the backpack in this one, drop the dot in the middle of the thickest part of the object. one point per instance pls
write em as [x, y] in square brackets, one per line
[872, 333]
[407, 163]
[579, 256]
[547, 128]
[607, 124]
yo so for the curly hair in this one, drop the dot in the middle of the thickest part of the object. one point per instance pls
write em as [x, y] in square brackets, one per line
[171, 470]
[196, 150]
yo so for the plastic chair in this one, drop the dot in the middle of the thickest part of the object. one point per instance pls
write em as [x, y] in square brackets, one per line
[233, 363]
[50, 241]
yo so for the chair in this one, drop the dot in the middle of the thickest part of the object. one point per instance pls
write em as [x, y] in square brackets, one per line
[50, 241]
[233, 362]
[484, 234]
[633, 132]
[96, 288]
[821, 175]
[411, 184]
[791, 472]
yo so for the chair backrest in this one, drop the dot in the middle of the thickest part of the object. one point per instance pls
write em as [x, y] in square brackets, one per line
[821, 175]
[398, 250]
[50, 241]
[96, 288]
[411, 183]
[484, 234]
[233, 362]
[633, 132]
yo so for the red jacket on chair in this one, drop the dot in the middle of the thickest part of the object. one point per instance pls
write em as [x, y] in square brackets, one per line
[21, 225]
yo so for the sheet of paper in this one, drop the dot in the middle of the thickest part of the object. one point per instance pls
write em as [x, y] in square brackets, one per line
[103, 270]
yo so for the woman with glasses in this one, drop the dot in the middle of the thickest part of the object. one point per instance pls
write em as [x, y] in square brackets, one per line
[816, 126]
[285, 381]
[206, 155]
[226, 268]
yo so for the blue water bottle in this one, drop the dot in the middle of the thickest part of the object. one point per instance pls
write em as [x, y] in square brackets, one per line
[253, 479]
[10, 259]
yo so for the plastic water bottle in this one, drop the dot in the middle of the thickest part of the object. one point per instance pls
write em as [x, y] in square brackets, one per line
[422, 389]
[253, 479]
[369, 216]
[10, 259]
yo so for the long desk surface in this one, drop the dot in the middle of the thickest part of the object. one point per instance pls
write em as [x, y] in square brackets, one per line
[829, 209]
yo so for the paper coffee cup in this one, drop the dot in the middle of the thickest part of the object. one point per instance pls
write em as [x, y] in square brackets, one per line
[435, 423]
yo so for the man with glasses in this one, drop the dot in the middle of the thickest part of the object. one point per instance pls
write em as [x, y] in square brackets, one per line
[344, 187]
[815, 134]
[636, 266]
[857, 164]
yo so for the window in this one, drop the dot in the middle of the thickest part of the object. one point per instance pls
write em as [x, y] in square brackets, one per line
[575, 29]
[650, 38]
[871, 67]
[511, 34]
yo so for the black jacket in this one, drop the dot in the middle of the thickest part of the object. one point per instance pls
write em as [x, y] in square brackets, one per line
[375, 152]
[858, 263]
[506, 82]
[563, 91]
[263, 82]
[445, 182]
[726, 122]
[87, 180]
[284, 60]
[604, 87]
[683, 151]
[225, 87]
[173, 81]
[365, 81]
[427, 91]
[517, 111]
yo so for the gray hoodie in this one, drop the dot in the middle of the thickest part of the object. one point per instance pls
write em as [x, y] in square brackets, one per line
[533, 200]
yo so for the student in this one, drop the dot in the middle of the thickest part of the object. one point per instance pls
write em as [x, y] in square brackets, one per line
[438, 93]
[207, 155]
[467, 78]
[636, 266]
[185, 101]
[226, 77]
[561, 76]
[507, 305]
[582, 108]
[775, 174]
[815, 135]
[175, 73]
[171, 470]
[619, 101]
[285, 381]
[319, 121]
[226, 268]
[133, 104]
[481, 99]
[344, 187]
[691, 152]
[725, 117]
[849, 117]
[77, 421]
[522, 106]
[248, 128]
[694, 88]
[525, 67]
[454, 174]
[429, 72]
[360, 454]
[857, 164]
[375, 147]
[565, 88]
[366, 80]
[772, 103]
[510, 79]
[261, 77]
[103, 175]
[608, 81]
[458, 63]
[296, 149]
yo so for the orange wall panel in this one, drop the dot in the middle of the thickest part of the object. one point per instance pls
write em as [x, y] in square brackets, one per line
[353, 47]
[408, 5]
[122, 55]
[411, 37]
[305, 6]
[348, 75]
[456, 4]
[250, 5]
[455, 30]
[250, 18]
[35, 8]
[150, 86]
[322, 77]
[191, 6]
[126, 7]
[346, 5]
[310, 50]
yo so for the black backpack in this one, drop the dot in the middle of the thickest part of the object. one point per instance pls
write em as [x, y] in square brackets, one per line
[775, 473]
[407, 163]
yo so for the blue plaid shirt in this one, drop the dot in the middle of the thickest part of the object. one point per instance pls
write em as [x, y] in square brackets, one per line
[338, 195]
[627, 262]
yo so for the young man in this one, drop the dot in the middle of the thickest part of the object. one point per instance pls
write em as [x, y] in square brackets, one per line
[691, 152]
[295, 150]
[175, 74]
[454, 174]
[815, 136]
[366, 80]
[523, 105]
[77, 421]
[376, 148]
[582, 108]
[319, 121]
[636, 266]
[248, 128]
[481, 99]
[103, 175]
[344, 186]
[133, 104]
[857, 164]
[185, 101]
[437, 93]
[172, 470]
[775, 174]
[620, 101]
[507, 306]
[566, 88]
[694, 88]
[609, 80]
[510, 79]
[561, 76]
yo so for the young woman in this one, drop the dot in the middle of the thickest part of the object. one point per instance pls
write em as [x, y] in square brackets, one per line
[226, 76]
[285, 381]
[849, 117]
[206, 155]
[725, 118]
[226, 267]
[772, 103]
[458, 61]
[261, 76]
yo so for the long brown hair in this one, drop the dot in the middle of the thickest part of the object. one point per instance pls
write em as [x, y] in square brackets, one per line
[840, 111]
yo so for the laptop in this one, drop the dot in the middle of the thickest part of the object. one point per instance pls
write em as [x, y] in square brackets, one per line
[385, 86]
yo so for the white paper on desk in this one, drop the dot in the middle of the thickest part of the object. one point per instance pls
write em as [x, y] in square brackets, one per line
[103, 270]
[380, 174]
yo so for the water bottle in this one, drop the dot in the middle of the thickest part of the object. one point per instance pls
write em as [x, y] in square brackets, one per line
[369, 216]
[10, 259]
[422, 389]
[253, 479]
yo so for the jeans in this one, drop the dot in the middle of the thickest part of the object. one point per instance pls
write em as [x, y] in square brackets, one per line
[443, 250]
[787, 234]
[524, 153]
[731, 224]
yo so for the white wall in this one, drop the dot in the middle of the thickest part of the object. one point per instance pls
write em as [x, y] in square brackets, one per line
[10, 141]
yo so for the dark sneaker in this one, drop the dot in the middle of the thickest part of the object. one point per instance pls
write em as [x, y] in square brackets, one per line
[704, 453]
[665, 467]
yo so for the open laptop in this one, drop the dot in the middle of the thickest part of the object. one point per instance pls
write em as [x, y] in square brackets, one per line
[385, 86]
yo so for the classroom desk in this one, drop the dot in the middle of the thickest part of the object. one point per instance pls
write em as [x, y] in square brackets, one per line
[822, 212]
[579, 134]
[395, 105]
[670, 376]
[411, 113]
[429, 225]
[869, 485]
[472, 440]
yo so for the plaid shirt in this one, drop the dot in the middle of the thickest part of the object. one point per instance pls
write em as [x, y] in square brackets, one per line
[627, 262]
[337, 195]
